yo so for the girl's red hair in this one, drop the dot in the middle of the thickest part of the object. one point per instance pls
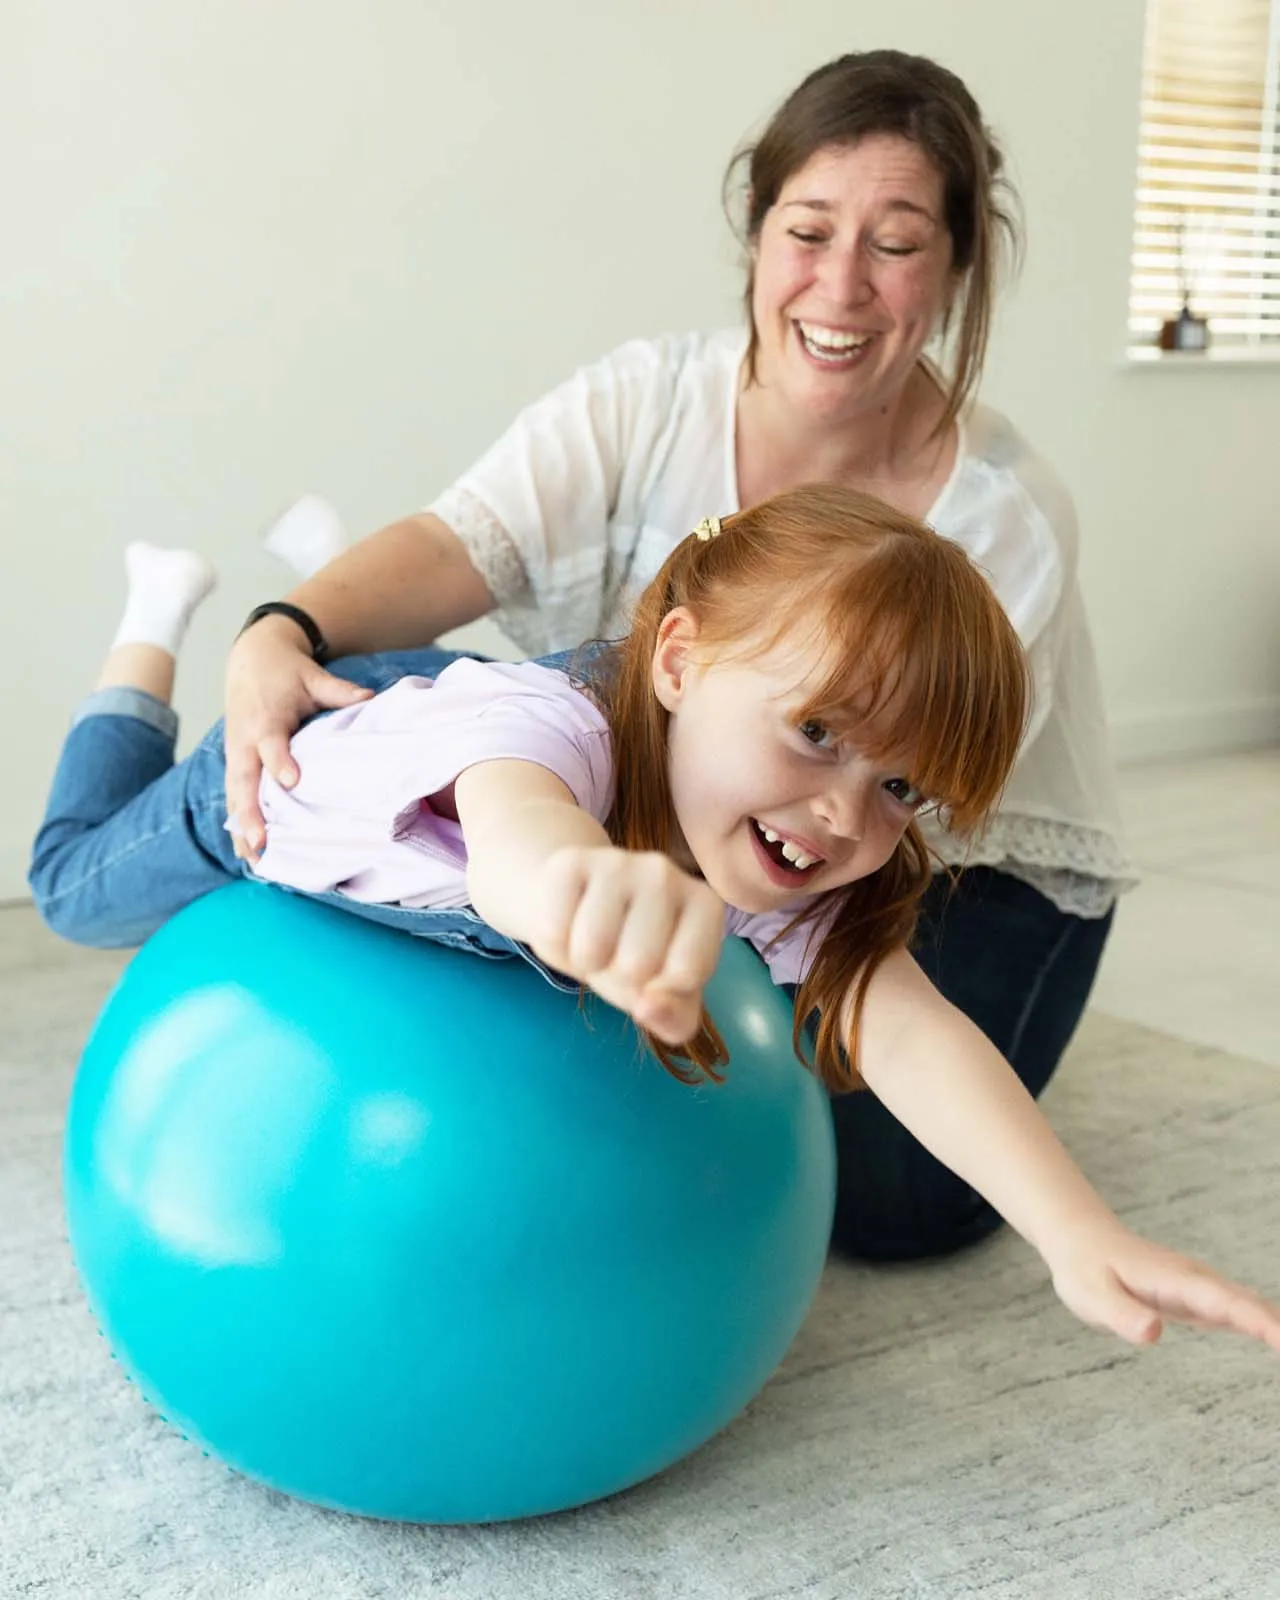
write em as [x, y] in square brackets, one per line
[921, 662]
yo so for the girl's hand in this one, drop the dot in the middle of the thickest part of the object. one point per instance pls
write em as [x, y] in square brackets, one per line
[272, 687]
[1114, 1279]
[635, 928]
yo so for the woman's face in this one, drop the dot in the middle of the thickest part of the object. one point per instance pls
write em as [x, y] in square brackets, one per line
[853, 270]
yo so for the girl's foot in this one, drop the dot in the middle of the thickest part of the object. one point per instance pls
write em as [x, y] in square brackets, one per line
[165, 587]
[308, 536]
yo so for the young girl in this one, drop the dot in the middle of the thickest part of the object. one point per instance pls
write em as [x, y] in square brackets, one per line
[798, 684]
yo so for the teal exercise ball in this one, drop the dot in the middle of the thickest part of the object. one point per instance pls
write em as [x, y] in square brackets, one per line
[410, 1233]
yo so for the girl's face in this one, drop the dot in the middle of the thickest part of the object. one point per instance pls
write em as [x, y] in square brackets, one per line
[770, 812]
[853, 270]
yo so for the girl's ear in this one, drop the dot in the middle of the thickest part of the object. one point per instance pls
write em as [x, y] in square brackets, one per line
[673, 656]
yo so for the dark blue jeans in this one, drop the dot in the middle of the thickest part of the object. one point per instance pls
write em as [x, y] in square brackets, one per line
[1022, 970]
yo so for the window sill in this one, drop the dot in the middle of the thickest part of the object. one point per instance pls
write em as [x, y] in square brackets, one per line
[1148, 357]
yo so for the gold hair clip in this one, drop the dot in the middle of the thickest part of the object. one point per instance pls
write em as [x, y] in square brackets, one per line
[708, 528]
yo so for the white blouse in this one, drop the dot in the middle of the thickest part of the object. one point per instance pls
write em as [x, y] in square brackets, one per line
[569, 515]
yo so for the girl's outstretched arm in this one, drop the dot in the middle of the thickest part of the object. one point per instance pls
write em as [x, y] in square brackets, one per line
[950, 1087]
[630, 924]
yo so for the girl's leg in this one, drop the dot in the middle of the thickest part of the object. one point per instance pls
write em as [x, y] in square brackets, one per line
[1022, 970]
[128, 837]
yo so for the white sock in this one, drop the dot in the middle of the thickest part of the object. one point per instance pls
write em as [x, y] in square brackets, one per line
[307, 536]
[165, 587]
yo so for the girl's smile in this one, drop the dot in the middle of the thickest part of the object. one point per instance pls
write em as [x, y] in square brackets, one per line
[785, 862]
[770, 809]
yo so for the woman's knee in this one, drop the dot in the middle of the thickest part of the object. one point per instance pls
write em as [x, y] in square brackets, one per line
[894, 1201]
[870, 1226]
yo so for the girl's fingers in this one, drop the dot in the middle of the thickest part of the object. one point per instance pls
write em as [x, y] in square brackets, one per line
[638, 931]
[1191, 1293]
[694, 948]
[669, 942]
[670, 1005]
[625, 917]
[673, 1017]
[1108, 1304]
[640, 951]
[597, 920]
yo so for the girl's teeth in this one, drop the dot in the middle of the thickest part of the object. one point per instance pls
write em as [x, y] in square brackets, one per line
[792, 852]
[797, 857]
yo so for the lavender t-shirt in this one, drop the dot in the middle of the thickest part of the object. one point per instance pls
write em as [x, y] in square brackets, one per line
[354, 823]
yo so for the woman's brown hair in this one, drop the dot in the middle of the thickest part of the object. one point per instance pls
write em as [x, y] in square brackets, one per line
[920, 664]
[889, 92]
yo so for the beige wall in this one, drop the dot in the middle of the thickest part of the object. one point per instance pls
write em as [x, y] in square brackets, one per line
[251, 248]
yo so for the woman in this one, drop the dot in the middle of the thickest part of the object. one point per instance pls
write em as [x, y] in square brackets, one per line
[875, 214]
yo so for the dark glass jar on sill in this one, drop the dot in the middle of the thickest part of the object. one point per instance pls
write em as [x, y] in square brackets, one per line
[1186, 331]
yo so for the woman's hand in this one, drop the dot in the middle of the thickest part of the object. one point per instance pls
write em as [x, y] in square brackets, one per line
[1112, 1278]
[272, 687]
[632, 926]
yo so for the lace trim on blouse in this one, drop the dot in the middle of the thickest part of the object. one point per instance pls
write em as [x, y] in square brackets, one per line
[1082, 870]
[493, 552]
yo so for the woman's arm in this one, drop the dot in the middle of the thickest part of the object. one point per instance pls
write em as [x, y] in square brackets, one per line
[629, 924]
[949, 1086]
[399, 588]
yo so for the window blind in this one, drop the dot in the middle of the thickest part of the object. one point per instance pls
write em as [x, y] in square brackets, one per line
[1207, 214]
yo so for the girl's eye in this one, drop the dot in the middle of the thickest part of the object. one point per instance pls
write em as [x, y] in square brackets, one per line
[897, 249]
[805, 237]
[905, 793]
[817, 734]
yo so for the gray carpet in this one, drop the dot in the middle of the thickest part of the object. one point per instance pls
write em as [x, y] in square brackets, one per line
[944, 1431]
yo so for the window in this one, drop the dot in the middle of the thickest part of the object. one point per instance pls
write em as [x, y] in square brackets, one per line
[1207, 216]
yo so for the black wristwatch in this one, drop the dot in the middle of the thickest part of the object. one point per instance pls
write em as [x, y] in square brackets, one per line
[281, 608]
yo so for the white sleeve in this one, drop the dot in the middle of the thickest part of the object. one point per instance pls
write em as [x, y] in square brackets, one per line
[534, 510]
[1018, 523]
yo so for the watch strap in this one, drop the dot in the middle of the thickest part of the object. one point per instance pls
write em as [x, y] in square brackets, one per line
[320, 651]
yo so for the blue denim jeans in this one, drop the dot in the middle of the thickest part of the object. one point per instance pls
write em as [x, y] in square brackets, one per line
[130, 836]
